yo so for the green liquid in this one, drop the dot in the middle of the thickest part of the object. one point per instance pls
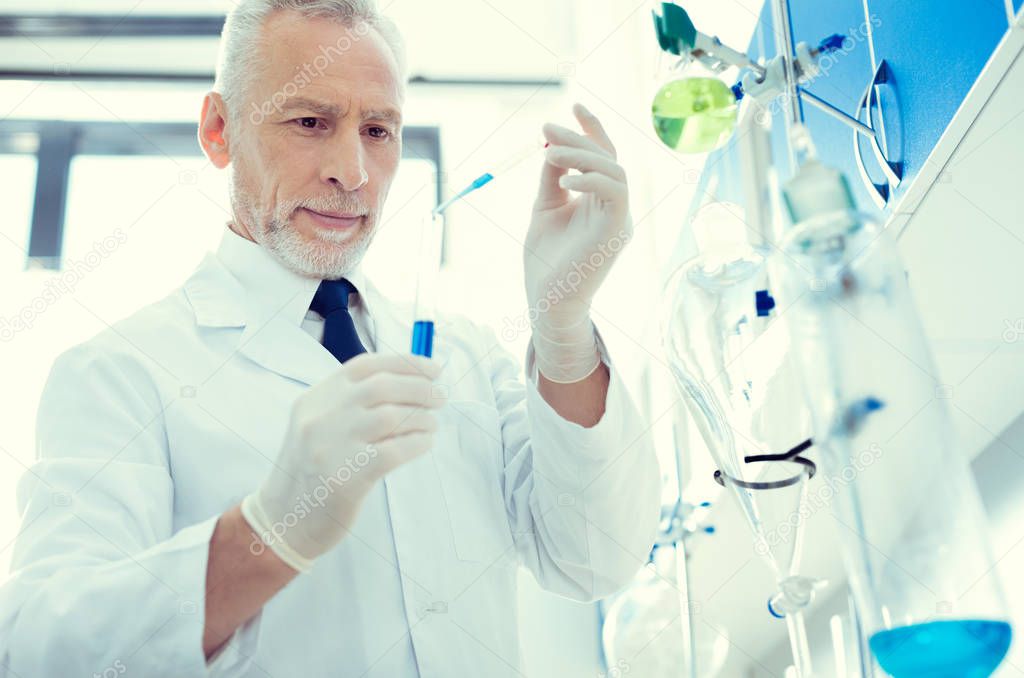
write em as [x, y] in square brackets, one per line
[694, 115]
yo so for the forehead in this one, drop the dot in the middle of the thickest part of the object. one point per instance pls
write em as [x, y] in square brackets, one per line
[324, 59]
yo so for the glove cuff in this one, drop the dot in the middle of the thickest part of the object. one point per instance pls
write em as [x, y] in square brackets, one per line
[254, 514]
[567, 354]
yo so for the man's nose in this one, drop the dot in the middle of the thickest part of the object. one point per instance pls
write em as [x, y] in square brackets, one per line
[343, 165]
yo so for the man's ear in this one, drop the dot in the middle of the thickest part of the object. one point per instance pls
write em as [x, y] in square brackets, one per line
[212, 130]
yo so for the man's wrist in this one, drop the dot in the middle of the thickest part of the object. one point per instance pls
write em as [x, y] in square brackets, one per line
[238, 530]
[239, 578]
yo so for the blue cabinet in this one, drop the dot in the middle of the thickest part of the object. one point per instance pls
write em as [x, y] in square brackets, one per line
[935, 51]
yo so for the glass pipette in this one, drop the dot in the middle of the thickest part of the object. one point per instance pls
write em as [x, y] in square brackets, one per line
[429, 263]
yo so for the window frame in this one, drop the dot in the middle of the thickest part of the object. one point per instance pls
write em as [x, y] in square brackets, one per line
[55, 143]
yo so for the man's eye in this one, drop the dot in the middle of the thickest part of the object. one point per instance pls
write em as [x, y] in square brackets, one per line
[309, 123]
[380, 132]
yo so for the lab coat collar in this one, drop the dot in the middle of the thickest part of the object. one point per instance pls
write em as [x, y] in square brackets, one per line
[242, 285]
[269, 285]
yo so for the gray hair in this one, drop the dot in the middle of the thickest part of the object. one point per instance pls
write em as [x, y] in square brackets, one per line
[240, 38]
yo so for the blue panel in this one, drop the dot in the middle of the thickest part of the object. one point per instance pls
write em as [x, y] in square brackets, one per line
[936, 51]
[844, 77]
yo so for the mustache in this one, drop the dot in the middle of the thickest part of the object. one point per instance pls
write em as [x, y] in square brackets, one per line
[335, 203]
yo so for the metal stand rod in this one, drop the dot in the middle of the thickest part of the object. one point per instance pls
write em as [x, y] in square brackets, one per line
[685, 619]
[784, 47]
[831, 110]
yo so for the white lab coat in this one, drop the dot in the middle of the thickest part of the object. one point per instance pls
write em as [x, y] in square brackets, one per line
[153, 428]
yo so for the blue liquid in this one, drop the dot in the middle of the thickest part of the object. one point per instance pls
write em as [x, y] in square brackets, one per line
[943, 649]
[423, 338]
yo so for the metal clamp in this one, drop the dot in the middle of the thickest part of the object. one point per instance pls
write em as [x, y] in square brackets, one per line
[893, 171]
[792, 455]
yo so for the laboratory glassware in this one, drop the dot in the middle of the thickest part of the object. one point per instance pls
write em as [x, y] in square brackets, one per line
[428, 272]
[432, 232]
[732, 364]
[694, 111]
[912, 526]
[645, 628]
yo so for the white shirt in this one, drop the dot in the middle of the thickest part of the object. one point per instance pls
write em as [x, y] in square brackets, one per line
[154, 427]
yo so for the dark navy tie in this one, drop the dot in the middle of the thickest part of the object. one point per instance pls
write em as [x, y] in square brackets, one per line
[331, 301]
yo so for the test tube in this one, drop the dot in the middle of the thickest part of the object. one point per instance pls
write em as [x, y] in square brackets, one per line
[429, 263]
[429, 266]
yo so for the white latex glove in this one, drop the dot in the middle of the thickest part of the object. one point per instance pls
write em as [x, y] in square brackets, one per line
[344, 434]
[580, 223]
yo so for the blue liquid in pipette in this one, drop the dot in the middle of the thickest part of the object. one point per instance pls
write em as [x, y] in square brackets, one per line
[479, 182]
[423, 338]
[968, 648]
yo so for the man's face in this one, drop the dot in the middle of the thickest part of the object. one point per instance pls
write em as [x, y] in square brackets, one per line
[318, 143]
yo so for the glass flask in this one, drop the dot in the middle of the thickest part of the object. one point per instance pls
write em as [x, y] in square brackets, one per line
[731, 361]
[910, 520]
[643, 634]
[728, 357]
[694, 109]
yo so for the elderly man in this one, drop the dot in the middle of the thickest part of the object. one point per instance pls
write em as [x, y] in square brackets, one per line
[252, 477]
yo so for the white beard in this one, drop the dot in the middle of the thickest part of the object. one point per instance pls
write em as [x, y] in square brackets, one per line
[330, 255]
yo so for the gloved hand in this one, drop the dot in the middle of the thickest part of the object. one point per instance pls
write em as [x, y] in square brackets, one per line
[571, 245]
[344, 434]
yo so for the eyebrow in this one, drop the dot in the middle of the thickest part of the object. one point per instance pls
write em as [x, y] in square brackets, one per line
[384, 115]
[322, 108]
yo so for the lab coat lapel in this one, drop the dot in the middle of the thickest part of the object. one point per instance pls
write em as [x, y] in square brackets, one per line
[267, 338]
[285, 348]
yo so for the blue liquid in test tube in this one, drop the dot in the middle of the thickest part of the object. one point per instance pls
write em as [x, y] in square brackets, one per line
[423, 338]
[426, 284]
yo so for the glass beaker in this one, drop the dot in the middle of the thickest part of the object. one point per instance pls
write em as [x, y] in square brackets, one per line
[911, 523]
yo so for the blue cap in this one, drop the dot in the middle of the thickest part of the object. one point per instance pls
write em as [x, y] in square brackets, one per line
[764, 302]
[831, 43]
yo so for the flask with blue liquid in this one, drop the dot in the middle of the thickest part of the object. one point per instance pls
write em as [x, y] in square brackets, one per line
[903, 495]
